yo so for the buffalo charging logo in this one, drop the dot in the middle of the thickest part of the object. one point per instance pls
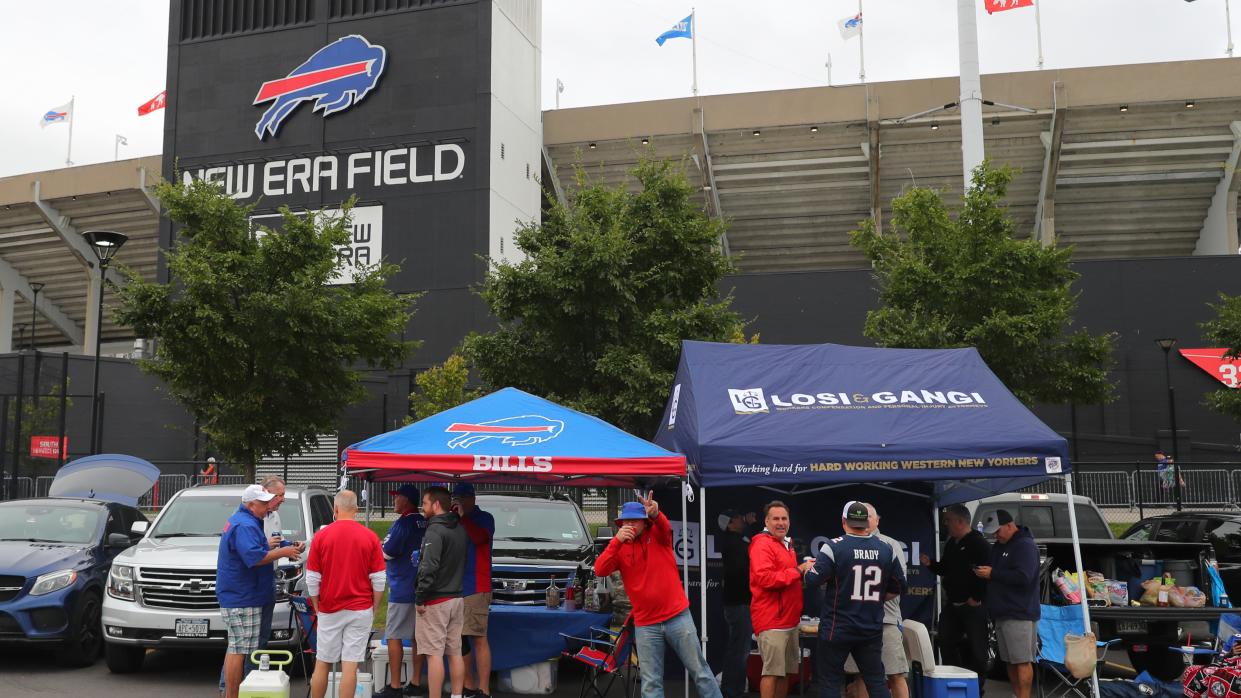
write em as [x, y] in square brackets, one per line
[526, 430]
[336, 77]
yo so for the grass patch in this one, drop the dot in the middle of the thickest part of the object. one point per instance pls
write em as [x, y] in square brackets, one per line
[381, 614]
[1118, 528]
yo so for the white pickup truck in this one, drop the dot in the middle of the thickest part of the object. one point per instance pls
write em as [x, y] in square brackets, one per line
[161, 592]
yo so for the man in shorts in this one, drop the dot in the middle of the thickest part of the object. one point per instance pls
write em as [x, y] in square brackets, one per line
[1013, 596]
[245, 580]
[345, 582]
[402, 541]
[476, 589]
[441, 612]
[776, 600]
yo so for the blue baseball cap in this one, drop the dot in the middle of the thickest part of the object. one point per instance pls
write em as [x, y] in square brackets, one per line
[409, 492]
[632, 511]
[463, 489]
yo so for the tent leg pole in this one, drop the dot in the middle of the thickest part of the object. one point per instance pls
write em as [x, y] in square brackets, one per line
[1081, 572]
[938, 554]
[702, 566]
[685, 554]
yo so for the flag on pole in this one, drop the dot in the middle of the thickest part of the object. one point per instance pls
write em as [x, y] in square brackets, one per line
[994, 6]
[850, 26]
[57, 115]
[156, 102]
[681, 30]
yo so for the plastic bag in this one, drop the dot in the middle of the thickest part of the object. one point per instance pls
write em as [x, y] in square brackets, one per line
[1176, 596]
[1096, 587]
[1151, 589]
[1067, 584]
[1195, 597]
[1118, 593]
[1079, 655]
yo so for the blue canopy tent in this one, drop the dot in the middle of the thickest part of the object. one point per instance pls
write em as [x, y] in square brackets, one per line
[805, 418]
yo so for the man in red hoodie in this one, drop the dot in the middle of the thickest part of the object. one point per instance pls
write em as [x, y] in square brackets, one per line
[642, 551]
[776, 600]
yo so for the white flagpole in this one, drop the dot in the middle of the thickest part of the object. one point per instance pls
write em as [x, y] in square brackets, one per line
[861, 42]
[693, 37]
[1038, 24]
[1228, 21]
[72, 117]
[829, 68]
[971, 90]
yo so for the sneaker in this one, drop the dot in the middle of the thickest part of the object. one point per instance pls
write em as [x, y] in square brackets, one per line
[388, 692]
[413, 690]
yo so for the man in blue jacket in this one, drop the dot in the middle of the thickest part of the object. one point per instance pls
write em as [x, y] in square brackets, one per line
[403, 540]
[245, 580]
[1012, 596]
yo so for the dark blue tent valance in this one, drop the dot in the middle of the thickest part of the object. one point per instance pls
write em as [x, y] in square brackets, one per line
[809, 416]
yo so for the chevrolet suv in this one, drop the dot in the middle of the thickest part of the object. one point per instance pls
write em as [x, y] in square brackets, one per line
[161, 592]
[538, 539]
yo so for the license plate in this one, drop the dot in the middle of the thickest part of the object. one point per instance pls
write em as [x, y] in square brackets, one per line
[1130, 627]
[192, 627]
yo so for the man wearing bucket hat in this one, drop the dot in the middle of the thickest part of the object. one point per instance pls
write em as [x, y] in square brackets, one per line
[642, 552]
[399, 546]
[246, 580]
[1013, 596]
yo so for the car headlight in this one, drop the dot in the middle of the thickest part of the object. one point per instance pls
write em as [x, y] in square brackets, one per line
[53, 581]
[121, 582]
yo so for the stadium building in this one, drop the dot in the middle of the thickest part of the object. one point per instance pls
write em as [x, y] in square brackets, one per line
[433, 122]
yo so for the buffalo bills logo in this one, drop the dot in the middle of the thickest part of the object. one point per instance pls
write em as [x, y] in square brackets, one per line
[337, 76]
[525, 430]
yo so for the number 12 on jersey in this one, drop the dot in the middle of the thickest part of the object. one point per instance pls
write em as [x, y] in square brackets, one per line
[866, 581]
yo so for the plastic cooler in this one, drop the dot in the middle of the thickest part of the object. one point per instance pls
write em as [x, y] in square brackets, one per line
[379, 663]
[363, 689]
[533, 679]
[949, 682]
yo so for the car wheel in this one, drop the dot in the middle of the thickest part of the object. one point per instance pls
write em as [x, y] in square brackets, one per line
[123, 659]
[84, 637]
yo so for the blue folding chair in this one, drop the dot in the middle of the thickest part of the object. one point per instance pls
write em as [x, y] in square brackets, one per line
[308, 624]
[1051, 676]
[1226, 626]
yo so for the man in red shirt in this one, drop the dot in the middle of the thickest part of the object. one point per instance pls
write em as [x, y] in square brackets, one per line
[345, 575]
[642, 551]
[776, 600]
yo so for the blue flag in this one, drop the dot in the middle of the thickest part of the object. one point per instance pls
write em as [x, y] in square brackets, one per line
[681, 30]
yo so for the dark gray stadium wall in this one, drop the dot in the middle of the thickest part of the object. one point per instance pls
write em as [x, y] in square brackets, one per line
[1138, 299]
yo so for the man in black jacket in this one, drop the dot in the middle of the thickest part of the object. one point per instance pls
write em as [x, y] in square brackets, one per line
[963, 620]
[1013, 596]
[441, 612]
[735, 551]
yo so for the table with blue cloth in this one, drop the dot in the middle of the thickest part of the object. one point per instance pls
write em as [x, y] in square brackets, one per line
[521, 635]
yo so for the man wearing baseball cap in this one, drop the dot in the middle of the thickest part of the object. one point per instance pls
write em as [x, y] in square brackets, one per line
[476, 589]
[642, 552]
[399, 546]
[246, 580]
[1013, 596]
[734, 545]
[861, 573]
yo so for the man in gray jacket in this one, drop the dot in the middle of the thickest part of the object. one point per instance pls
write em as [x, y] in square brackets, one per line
[441, 612]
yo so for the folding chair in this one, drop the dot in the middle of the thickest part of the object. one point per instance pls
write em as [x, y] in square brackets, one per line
[308, 625]
[1056, 622]
[607, 656]
[1225, 627]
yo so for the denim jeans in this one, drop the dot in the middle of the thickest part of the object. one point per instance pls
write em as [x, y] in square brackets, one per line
[264, 637]
[736, 650]
[830, 666]
[678, 634]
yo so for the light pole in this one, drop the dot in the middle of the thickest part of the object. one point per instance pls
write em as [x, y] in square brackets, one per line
[106, 244]
[1166, 344]
[35, 287]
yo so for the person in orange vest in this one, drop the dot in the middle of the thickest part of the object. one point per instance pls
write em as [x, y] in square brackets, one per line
[209, 476]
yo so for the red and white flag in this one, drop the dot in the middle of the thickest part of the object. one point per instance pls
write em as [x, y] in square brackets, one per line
[157, 102]
[994, 6]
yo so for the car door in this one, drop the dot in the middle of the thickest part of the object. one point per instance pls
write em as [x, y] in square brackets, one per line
[1179, 530]
[1224, 535]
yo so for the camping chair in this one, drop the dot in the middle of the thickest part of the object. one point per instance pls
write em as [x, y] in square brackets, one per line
[607, 656]
[1051, 676]
[308, 625]
[1225, 627]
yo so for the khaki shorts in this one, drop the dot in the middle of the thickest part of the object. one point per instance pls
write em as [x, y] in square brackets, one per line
[477, 610]
[894, 659]
[438, 631]
[780, 650]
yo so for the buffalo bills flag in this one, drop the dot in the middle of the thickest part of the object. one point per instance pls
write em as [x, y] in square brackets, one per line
[61, 115]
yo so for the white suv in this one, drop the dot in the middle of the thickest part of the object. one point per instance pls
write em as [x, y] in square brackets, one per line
[161, 592]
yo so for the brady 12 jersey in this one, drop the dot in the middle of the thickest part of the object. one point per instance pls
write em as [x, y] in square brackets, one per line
[859, 572]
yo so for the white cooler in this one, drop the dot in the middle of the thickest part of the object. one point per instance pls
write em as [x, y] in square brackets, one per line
[379, 664]
[362, 691]
[533, 679]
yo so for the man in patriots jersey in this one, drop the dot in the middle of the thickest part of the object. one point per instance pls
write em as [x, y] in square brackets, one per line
[480, 527]
[861, 573]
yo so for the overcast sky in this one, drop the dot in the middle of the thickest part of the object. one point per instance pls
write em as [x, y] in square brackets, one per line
[111, 54]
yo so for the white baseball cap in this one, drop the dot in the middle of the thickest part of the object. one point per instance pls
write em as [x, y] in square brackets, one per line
[256, 493]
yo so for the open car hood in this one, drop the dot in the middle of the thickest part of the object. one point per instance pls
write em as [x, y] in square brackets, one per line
[110, 477]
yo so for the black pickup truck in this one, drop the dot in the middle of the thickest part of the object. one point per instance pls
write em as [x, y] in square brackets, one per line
[1145, 631]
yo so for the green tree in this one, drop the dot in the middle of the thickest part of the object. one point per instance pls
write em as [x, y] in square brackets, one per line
[38, 419]
[250, 336]
[968, 281]
[1225, 331]
[613, 280]
[442, 387]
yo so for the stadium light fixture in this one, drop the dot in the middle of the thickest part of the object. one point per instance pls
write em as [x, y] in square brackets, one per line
[646, 141]
[814, 129]
[1124, 108]
[1190, 104]
[934, 125]
[756, 133]
[593, 146]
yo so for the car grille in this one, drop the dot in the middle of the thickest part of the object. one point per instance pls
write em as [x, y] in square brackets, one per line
[523, 585]
[160, 587]
[10, 586]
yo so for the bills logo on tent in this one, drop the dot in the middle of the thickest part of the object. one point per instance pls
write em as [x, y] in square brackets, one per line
[337, 76]
[526, 430]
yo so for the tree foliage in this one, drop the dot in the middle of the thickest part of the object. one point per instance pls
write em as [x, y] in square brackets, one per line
[1225, 331]
[968, 281]
[442, 387]
[250, 337]
[613, 281]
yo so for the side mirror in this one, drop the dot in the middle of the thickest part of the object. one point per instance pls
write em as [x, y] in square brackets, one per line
[119, 540]
[139, 528]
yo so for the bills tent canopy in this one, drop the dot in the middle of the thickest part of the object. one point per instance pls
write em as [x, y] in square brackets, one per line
[512, 436]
